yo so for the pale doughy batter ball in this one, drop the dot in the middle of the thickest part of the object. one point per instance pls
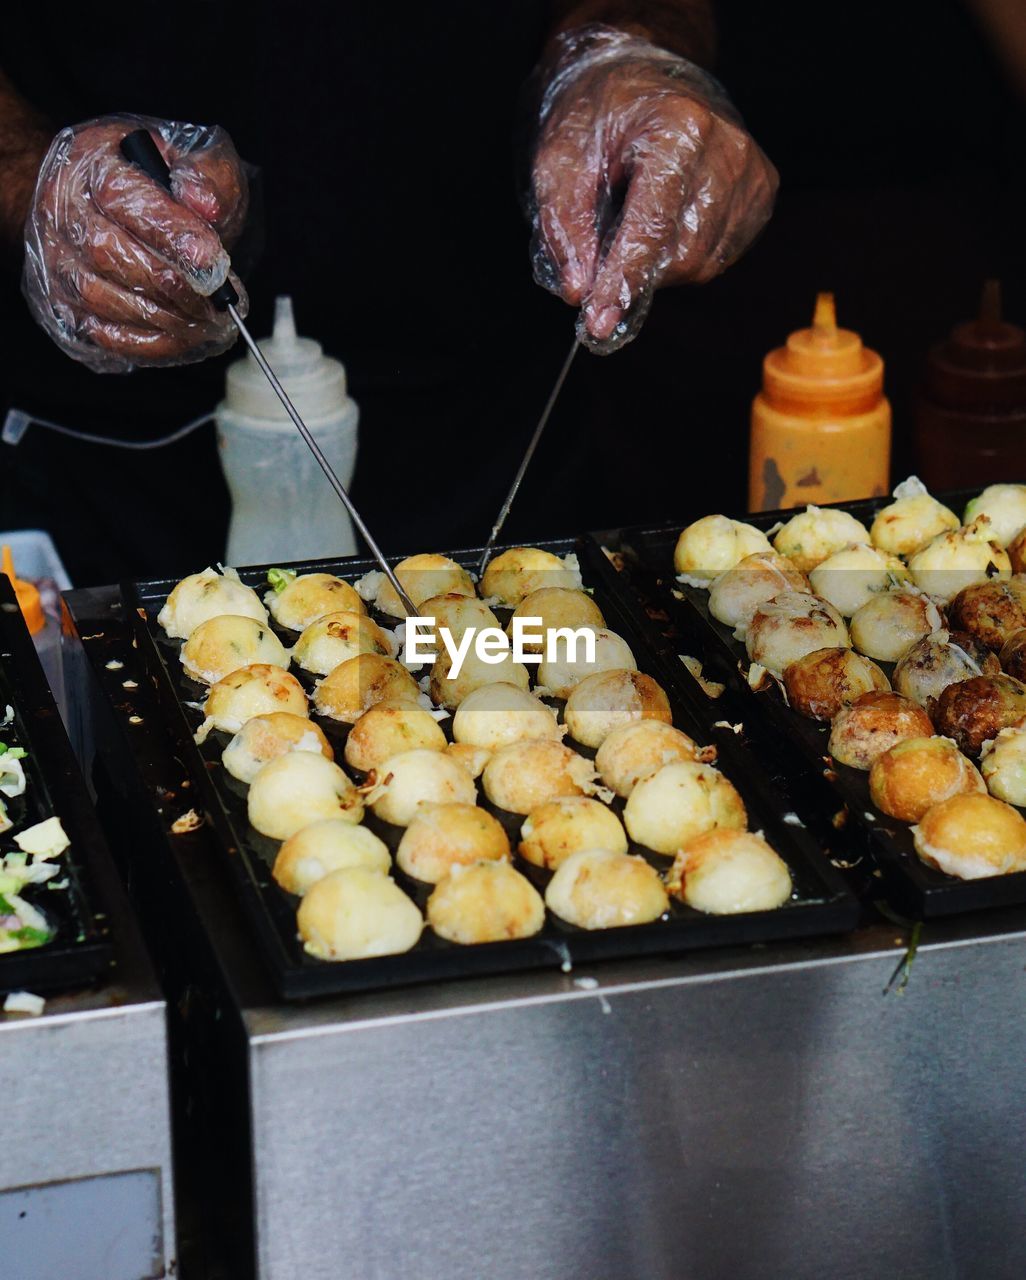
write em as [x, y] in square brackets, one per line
[443, 836]
[972, 836]
[421, 577]
[556, 607]
[940, 659]
[514, 574]
[809, 537]
[553, 831]
[252, 691]
[791, 625]
[473, 759]
[389, 728]
[911, 520]
[959, 558]
[336, 638]
[737, 593]
[710, 546]
[304, 598]
[496, 715]
[526, 775]
[486, 902]
[854, 575]
[332, 844]
[680, 802]
[1003, 765]
[265, 737]
[293, 790]
[406, 781]
[206, 595]
[634, 751]
[729, 872]
[569, 664]
[449, 691]
[888, 625]
[456, 613]
[223, 644]
[597, 889]
[358, 684]
[356, 913]
[1004, 505]
[609, 699]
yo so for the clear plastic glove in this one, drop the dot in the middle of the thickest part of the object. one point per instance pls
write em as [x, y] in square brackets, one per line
[117, 271]
[622, 120]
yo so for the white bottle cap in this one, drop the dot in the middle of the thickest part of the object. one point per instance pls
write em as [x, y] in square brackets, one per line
[316, 384]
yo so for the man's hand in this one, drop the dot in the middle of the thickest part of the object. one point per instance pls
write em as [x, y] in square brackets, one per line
[118, 271]
[623, 121]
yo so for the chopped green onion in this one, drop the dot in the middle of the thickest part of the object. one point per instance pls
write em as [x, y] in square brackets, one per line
[280, 578]
[30, 936]
[5, 907]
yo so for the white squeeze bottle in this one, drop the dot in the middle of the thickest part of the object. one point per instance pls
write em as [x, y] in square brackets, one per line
[44, 630]
[283, 507]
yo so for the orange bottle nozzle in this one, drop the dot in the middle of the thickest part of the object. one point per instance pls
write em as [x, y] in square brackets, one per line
[824, 318]
[27, 595]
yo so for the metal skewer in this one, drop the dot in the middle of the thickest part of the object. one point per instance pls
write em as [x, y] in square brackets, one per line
[139, 148]
[525, 461]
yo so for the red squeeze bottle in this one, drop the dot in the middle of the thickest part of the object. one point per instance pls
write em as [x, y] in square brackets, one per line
[971, 407]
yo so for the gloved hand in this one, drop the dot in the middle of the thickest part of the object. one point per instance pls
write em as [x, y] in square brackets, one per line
[117, 271]
[620, 119]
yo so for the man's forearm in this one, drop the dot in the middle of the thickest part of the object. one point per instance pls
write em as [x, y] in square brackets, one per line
[682, 26]
[24, 138]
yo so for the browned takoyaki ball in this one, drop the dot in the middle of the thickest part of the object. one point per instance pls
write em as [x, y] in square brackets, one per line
[938, 660]
[976, 710]
[990, 611]
[1017, 552]
[1013, 655]
[919, 773]
[826, 680]
[873, 724]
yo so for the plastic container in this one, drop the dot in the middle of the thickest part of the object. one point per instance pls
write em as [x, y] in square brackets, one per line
[821, 426]
[971, 406]
[44, 627]
[283, 507]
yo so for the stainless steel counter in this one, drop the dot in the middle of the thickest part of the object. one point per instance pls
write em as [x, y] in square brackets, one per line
[753, 1112]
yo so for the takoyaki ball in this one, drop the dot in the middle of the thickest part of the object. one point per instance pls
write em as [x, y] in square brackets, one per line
[959, 558]
[266, 737]
[360, 683]
[729, 872]
[972, 836]
[940, 659]
[791, 625]
[889, 624]
[636, 750]
[605, 701]
[808, 538]
[819, 684]
[854, 575]
[680, 802]
[336, 638]
[206, 595]
[485, 902]
[911, 521]
[1013, 655]
[473, 759]
[974, 710]
[1003, 765]
[553, 831]
[389, 728]
[252, 691]
[514, 574]
[403, 783]
[221, 645]
[1017, 553]
[599, 889]
[293, 790]
[296, 601]
[457, 614]
[873, 724]
[569, 664]
[918, 773]
[331, 844]
[990, 611]
[498, 714]
[710, 546]
[356, 913]
[736, 593]
[449, 691]
[555, 607]
[443, 836]
[1004, 505]
[421, 577]
[526, 775]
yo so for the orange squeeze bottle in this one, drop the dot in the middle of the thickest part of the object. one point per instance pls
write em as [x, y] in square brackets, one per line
[821, 425]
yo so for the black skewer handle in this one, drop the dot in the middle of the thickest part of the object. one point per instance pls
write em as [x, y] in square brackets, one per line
[139, 148]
